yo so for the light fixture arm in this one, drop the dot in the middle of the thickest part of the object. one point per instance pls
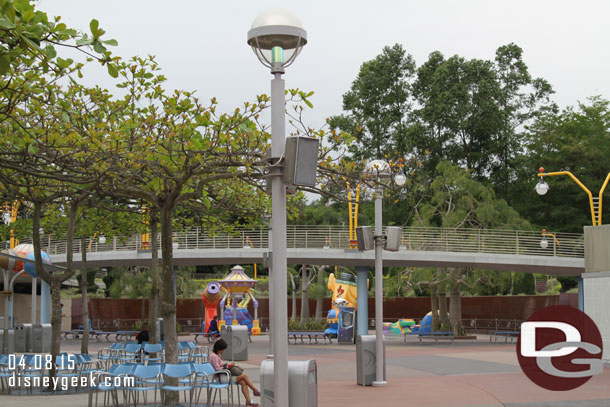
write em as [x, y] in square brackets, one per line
[580, 184]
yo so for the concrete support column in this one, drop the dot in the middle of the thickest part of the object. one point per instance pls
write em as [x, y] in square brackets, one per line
[596, 282]
[45, 303]
[363, 300]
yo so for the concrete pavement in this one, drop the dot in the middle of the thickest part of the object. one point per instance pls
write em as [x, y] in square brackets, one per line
[466, 373]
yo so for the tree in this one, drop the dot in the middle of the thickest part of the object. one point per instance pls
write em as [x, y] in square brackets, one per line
[458, 201]
[377, 104]
[472, 111]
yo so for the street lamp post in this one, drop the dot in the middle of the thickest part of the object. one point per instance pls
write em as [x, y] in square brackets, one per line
[595, 203]
[277, 37]
[380, 171]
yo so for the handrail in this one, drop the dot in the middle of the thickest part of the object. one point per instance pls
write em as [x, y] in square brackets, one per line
[493, 241]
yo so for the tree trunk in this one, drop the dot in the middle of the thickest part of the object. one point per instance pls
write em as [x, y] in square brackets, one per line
[55, 279]
[304, 297]
[153, 303]
[455, 305]
[320, 297]
[168, 300]
[434, 308]
[84, 345]
[441, 291]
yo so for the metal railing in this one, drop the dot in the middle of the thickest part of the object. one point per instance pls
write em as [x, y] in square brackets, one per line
[496, 241]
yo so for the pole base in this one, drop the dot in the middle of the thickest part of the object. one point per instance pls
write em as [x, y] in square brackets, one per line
[379, 384]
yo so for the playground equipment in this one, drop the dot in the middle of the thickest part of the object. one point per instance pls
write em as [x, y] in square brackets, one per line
[399, 327]
[238, 286]
[425, 325]
[211, 298]
[340, 318]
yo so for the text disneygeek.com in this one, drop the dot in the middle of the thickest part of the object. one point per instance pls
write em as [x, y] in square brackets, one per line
[65, 383]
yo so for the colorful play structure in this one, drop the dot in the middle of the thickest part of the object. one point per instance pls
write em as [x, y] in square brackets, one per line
[237, 288]
[344, 304]
[399, 327]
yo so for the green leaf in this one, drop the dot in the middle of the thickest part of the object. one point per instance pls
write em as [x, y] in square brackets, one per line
[94, 26]
[84, 41]
[6, 24]
[308, 103]
[98, 47]
[112, 43]
[50, 50]
[113, 71]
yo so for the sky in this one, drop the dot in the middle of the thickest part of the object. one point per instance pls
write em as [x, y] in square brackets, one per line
[201, 45]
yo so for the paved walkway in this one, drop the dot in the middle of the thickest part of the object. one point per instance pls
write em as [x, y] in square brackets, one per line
[467, 373]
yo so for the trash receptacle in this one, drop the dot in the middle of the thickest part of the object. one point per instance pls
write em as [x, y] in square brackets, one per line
[236, 337]
[23, 337]
[41, 338]
[366, 371]
[302, 383]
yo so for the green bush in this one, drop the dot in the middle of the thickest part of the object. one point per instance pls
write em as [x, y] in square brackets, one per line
[308, 325]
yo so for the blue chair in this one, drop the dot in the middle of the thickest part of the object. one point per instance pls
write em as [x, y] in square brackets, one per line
[104, 382]
[88, 365]
[146, 380]
[132, 353]
[179, 371]
[110, 354]
[204, 375]
[217, 381]
[184, 352]
[150, 348]
[68, 366]
[5, 373]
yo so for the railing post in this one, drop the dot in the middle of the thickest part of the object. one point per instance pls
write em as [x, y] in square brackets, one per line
[517, 240]
[306, 236]
[554, 247]
[114, 243]
[197, 238]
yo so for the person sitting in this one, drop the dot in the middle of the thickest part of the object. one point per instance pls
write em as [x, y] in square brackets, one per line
[213, 328]
[143, 335]
[243, 380]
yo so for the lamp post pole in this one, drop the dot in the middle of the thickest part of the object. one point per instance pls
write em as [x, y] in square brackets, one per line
[279, 325]
[277, 37]
[379, 359]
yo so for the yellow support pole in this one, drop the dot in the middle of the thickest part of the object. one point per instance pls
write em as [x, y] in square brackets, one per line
[349, 203]
[601, 197]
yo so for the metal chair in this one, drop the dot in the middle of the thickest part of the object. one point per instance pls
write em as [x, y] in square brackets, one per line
[146, 380]
[179, 371]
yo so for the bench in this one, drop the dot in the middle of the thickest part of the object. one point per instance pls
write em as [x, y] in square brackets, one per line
[435, 335]
[505, 334]
[212, 335]
[208, 335]
[98, 334]
[310, 335]
[126, 334]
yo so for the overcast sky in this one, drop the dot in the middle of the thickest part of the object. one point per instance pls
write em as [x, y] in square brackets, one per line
[201, 45]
